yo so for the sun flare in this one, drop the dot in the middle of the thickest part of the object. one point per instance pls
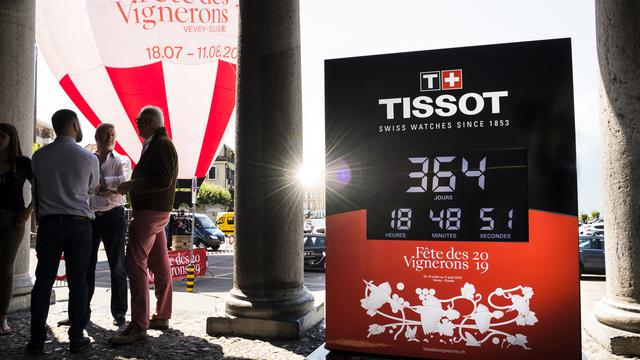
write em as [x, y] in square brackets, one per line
[310, 174]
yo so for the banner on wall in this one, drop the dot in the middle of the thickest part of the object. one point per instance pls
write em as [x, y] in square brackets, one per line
[114, 57]
[179, 260]
[452, 203]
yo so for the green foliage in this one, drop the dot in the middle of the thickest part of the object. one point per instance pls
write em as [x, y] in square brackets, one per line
[595, 214]
[209, 195]
[584, 217]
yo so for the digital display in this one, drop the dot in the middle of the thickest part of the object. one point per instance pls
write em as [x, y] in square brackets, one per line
[478, 195]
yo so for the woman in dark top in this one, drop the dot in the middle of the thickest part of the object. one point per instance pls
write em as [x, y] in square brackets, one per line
[15, 169]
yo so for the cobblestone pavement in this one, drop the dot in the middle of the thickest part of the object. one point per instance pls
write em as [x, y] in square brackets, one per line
[187, 337]
[186, 340]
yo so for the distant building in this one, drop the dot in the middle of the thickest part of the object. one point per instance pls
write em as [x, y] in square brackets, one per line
[313, 200]
[222, 173]
[43, 134]
[223, 169]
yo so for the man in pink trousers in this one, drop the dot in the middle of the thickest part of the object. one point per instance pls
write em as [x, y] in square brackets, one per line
[152, 191]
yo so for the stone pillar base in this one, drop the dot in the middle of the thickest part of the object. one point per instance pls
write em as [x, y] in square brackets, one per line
[279, 303]
[617, 314]
[615, 341]
[284, 328]
[23, 301]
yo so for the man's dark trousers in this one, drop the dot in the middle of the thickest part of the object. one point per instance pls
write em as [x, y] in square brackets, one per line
[57, 234]
[109, 226]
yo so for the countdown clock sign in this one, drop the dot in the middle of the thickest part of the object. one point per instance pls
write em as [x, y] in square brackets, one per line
[451, 203]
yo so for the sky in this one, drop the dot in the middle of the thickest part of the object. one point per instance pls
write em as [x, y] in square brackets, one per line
[346, 28]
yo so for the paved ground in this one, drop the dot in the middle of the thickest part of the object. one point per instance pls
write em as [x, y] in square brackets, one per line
[188, 339]
[592, 289]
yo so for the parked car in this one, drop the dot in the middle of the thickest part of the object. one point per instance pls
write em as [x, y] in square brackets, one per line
[591, 254]
[307, 227]
[310, 225]
[226, 222]
[315, 252]
[594, 228]
[207, 233]
[591, 233]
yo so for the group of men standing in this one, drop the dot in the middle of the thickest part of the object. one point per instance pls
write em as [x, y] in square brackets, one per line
[79, 199]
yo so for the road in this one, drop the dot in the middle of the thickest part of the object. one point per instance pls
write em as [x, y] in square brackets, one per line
[219, 277]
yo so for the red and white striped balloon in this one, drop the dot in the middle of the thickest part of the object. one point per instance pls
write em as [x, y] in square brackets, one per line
[114, 56]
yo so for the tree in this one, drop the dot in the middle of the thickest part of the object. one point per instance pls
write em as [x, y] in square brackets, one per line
[210, 195]
[584, 218]
[595, 214]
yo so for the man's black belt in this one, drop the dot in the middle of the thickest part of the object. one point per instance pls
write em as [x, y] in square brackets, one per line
[61, 217]
[100, 213]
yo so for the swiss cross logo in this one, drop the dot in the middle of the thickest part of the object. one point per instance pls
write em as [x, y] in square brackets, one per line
[441, 80]
[451, 79]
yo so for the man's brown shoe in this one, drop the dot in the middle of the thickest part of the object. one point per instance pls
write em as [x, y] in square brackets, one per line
[158, 324]
[129, 335]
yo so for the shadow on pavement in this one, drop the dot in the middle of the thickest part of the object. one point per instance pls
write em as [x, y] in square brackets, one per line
[170, 344]
[13, 346]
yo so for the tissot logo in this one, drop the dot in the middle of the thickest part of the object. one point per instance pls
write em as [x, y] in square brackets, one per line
[441, 80]
[442, 105]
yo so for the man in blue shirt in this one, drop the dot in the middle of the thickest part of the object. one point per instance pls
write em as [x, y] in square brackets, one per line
[109, 225]
[64, 176]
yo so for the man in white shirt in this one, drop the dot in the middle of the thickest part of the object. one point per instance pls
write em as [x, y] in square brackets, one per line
[109, 223]
[64, 176]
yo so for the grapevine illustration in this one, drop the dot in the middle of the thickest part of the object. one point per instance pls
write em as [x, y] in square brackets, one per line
[442, 317]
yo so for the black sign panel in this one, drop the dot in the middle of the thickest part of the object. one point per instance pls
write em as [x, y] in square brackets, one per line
[498, 101]
[448, 195]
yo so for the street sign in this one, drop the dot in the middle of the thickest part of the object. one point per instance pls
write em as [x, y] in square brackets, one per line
[452, 203]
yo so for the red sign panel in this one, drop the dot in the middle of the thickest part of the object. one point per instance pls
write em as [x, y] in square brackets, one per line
[179, 260]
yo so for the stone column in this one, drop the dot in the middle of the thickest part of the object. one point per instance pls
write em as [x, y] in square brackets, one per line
[17, 101]
[268, 268]
[618, 53]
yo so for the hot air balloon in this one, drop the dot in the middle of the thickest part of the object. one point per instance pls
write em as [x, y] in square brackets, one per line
[114, 56]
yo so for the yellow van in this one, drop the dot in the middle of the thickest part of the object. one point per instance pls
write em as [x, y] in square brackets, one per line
[226, 222]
